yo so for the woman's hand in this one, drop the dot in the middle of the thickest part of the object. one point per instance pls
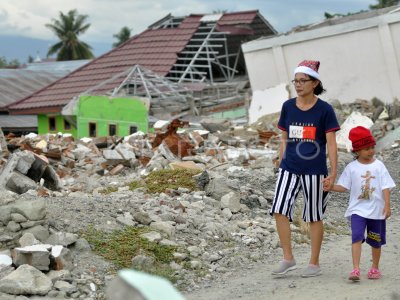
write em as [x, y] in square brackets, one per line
[328, 182]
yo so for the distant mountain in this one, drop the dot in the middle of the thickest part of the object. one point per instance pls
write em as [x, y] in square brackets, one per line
[20, 47]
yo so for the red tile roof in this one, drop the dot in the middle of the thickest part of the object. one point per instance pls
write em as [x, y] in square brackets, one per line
[153, 49]
[244, 17]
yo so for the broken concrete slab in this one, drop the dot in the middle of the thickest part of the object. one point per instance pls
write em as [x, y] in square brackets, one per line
[217, 186]
[388, 140]
[20, 184]
[25, 162]
[213, 125]
[117, 169]
[11, 165]
[38, 167]
[267, 101]
[62, 258]
[185, 165]
[5, 260]
[26, 280]
[62, 238]
[51, 179]
[113, 157]
[355, 119]
[37, 257]
[34, 210]
[3, 144]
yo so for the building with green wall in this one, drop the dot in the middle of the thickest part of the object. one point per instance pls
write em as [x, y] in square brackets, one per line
[96, 116]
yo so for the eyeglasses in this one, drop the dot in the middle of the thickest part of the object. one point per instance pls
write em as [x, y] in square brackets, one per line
[300, 81]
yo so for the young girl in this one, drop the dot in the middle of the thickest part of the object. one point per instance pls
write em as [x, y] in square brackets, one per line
[369, 184]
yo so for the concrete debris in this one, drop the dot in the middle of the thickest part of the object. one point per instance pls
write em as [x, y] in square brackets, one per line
[26, 280]
[179, 145]
[355, 119]
[40, 254]
[265, 102]
[3, 144]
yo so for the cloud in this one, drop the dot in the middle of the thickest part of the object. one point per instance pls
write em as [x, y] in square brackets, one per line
[107, 17]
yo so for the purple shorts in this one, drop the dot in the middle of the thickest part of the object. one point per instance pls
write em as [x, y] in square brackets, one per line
[376, 231]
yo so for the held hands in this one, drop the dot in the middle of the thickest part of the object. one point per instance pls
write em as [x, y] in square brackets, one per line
[328, 182]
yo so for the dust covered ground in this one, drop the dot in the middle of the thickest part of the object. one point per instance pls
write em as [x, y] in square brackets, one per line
[257, 283]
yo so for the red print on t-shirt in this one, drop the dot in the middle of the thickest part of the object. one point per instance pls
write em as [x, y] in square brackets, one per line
[309, 132]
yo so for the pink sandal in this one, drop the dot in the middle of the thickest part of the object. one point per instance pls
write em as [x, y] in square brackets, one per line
[374, 274]
[355, 275]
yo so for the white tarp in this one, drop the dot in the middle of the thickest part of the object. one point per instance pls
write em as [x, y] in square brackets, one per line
[354, 120]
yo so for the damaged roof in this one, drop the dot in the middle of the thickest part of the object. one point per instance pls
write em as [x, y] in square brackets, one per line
[156, 49]
[16, 84]
[21, 121]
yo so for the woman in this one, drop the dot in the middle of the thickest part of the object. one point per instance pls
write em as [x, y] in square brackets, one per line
[309, 127]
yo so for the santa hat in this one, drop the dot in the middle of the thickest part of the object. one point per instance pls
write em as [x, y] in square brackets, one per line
[361, 138]
[309, 67]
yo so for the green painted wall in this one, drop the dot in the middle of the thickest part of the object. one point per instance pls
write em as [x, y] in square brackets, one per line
[44, 124]
[103, 111]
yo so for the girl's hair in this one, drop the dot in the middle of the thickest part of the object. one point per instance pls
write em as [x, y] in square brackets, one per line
[319, 89]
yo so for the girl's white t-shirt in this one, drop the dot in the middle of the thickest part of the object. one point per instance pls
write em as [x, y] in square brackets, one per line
[365, 183]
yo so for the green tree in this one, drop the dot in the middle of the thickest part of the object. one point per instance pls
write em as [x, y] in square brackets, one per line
[122, 36]
[384, 3]
[219, 11]
[12, 63]
[3, 62]
[330, 16]
[30, 59]
[67, 28]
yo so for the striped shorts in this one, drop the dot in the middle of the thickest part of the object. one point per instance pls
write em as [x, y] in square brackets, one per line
[287, 188]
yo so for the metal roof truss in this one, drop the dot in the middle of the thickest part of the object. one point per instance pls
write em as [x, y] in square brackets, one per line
[200, 57]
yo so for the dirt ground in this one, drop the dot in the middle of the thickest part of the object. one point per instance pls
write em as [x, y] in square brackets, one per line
[257, 283]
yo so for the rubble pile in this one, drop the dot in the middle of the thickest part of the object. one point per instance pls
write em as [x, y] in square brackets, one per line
[51, 189]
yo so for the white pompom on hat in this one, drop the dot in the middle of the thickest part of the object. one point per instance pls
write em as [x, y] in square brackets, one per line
[309, 67]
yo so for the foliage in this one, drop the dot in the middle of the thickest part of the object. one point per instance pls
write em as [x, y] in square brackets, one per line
[3, 62]
[108, 190]
[121, 246]
[159, 181]
[380, 4]
[330, 16]
[122, 36]
[220, 11]
[384, 3]
[136, 184]
[67, 28]
[333, 15]
[12, 63]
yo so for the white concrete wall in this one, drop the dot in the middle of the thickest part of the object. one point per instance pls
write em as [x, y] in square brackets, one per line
[359, 59]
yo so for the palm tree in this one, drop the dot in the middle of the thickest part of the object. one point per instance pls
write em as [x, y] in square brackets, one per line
[122, 36]
[384, 3]
[67, 29]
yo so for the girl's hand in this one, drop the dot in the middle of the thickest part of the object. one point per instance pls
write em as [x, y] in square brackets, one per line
[387, 212]
[327, 183]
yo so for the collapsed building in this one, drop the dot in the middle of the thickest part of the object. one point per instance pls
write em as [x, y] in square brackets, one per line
[178, 66]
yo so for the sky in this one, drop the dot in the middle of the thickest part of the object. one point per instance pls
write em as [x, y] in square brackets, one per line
[27, 18]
